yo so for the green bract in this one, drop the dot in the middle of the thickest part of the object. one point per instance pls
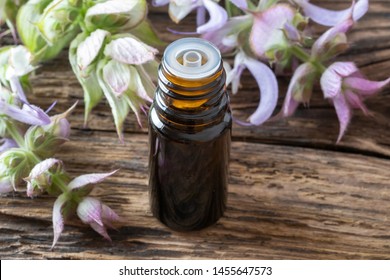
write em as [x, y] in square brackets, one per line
[9, 10]
[85, 69]
[59, 20]
[28, 16]
[15, 164]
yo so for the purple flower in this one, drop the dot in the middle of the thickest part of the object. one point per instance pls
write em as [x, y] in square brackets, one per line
[333, 41]
[78, 188]
[179, 9]
[299, 89]
[226, 37]
[6, 144]
[266, 81]
[267, 31]
[5, 185]
[331, 18]
[27, 113]
[346, 87]
[98, 215]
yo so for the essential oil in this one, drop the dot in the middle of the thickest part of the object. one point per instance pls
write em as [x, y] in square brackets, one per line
[189, 136]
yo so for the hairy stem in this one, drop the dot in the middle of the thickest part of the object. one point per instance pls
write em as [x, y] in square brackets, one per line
[305, 57]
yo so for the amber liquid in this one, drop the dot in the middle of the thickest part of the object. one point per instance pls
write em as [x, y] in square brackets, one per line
[188, 163]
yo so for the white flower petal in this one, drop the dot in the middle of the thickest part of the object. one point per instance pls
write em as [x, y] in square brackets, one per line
[5, 186]
[268, 85]
[332, 78]
[290, 104]
[179, 9]
[112, 7]
[218, 17]
[129, 50]
[117, 76]
[267, 28]
[87, 179]
[58, 220]
[343, 113]
[88, 50]
[331, 18]
[90, 211]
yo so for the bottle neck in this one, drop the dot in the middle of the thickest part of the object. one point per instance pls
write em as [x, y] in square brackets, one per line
[187, 104]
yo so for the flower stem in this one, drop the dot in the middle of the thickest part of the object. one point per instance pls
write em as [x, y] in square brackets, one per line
[300, 53]
[305, 57]
[228, 7]
[15, 134]
[60, 183]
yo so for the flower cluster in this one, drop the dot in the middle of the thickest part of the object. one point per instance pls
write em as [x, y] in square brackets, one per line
[277, 32]
[109, 47]
[29, 139]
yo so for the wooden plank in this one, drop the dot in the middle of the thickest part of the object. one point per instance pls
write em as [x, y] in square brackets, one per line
[315, 127]
[293, 192]
[284, 202]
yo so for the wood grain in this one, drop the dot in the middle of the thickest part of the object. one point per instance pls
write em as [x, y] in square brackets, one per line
[284, 202]
[293, 192]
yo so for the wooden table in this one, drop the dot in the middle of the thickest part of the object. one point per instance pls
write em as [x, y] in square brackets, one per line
[294, 193]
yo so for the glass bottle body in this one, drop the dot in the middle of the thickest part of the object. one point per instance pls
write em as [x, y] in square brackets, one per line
[189, 135]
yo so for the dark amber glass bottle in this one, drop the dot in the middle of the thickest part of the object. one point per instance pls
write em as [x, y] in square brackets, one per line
[189, 137]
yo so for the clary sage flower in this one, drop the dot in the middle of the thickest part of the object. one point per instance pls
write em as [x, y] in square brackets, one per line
[46, 140]
[121, 73]
[98, 215]
[40, 177]
[8, 12]
[14, 65]
[326, 47]
[329, 17]
[27, 19]
[179, 9]
[346, 87]
[58, 20]
[266, 81]
[89, 210]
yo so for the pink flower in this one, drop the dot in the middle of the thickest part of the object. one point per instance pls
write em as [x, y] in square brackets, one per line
[267, 31]
[91, 211]
[346, 87]
[331, 18]
[179, 9]
[79, 188]
[299, 89]
[266, 81]
[39, 178]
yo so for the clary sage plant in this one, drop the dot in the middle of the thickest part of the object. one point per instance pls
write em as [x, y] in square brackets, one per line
[112, 51]
[29, 141]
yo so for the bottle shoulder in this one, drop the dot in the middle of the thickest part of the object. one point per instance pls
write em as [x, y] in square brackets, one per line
[198, 133]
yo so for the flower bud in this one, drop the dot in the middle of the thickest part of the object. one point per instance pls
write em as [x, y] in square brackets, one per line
[46, 140]
[9, 10]
[116, 15]
[15, 164]
[40, 177]
[31, 36]
[58, 21]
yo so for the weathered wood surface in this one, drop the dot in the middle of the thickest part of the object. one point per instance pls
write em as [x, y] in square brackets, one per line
[293, 193]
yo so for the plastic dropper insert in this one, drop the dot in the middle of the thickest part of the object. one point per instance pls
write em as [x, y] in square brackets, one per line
[189, 137]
